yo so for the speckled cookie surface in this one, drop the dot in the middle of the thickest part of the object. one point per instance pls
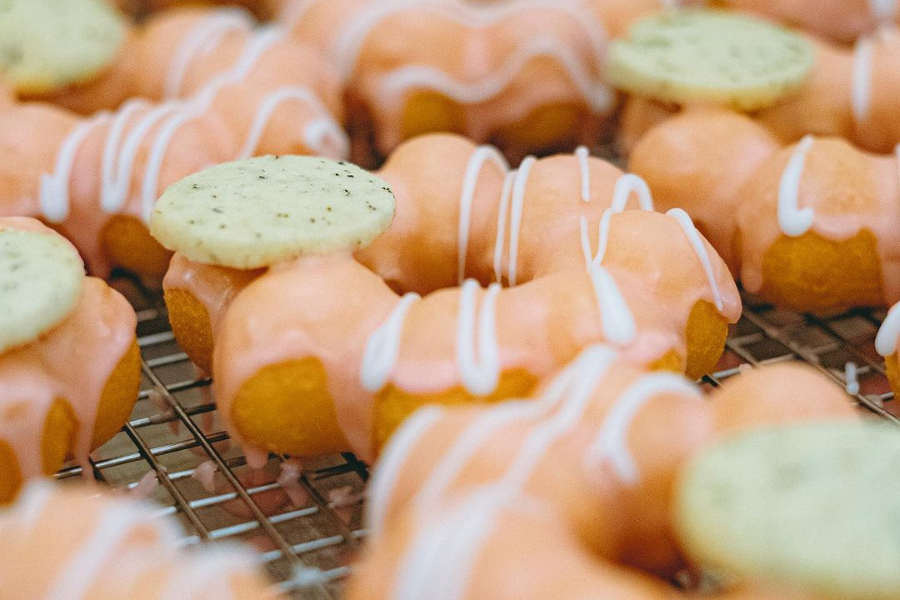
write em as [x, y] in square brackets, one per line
[41, 277]
[50, 44]
[812, 507]
[710, 56]
[261, 211]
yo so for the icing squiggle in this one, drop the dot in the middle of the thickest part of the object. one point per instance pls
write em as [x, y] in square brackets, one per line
[581, 153]
[479, 372]
[477, 160]
[383, 346]
[792, 220]
[618, 322]
[861, 87]
[693, 236]
[611, 443]
[626, 185]
[204, 37]
[888, 333]
[392, 459]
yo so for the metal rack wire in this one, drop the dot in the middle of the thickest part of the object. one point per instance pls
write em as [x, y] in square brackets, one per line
[308, 543]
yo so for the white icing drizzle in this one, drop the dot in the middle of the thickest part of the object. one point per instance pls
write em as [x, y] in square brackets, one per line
[327, 138]
[275, 99]
[477, 160]
[884, 11]
[611, 443]
[696, 240]
[383, 346]
[851, 378]
[629, 184]
[597, 96]
[861, 86]
[54, 187]
[349, 43]
[517, 203]
[581, 152]
[31, 505]
[75, 578]
[502, 211]
[479, 371]
[457, 542]
[207, 574]
[203, 38]
[625, 185]
[618, 322]
[888, 333]
[571, 389]
[392, 459]
[792, 220]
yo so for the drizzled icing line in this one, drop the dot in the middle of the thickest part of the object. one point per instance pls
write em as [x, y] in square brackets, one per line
[383, 346]
[694, 237]
[888, 333]
[626, 185]
[501, 226]
[203, 38]
[861, 82]
[394, 455]
[517, 204]
[477, 160]
[617, 321]
[581, 153]
[479, 368]
[792, 220]
[596, 95]
[348, 45]
[611, 443]
[430, 553]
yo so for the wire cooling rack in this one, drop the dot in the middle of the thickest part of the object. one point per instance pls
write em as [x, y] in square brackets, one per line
[308, 531]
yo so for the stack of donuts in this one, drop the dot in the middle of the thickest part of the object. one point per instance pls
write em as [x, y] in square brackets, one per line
[503, 324]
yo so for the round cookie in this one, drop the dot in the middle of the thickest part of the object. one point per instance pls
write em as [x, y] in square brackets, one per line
[41, 278]
[49, 44]
[809, 507]
[710, 56]
[257, 212]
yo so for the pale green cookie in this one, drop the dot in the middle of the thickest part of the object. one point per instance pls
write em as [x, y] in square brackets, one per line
[812, 508]
[261, 211]
[41, 276]
[710, 56]
[49, 44]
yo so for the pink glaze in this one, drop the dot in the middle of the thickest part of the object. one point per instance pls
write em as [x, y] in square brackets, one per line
[499, 60]
[214, 287]
[846, 190]
[72, 362]
[243, 98]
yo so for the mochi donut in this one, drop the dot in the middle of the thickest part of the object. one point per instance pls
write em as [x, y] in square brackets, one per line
[812, 226]
[840, 20]
[363, 355]
[225, 90]
[850, 92]
[527, 76]
[505, 226]
[69, 361]
[568, 494]
[74, 542]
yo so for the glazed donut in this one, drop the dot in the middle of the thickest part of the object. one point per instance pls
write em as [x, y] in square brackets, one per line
[852, 93]
[841, 20]
[811, 226]
[526, 76]
[229, 91]
[366, 357]
[71, 542]
[466, 502]
[69, 381]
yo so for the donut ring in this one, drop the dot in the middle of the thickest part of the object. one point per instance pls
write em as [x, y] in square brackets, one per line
[72, 388]
[811, 226]
[504, 223]
[586, 493]
[224, 91]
